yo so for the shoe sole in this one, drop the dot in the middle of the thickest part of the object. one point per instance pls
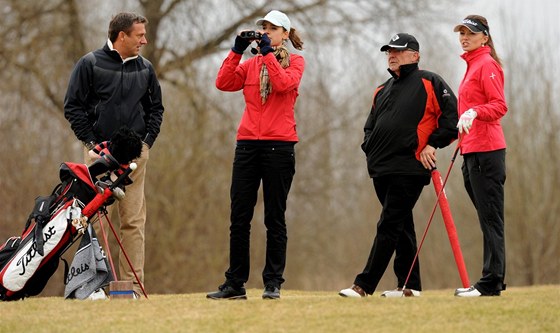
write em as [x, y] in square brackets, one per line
[270, 297]
[350, 296]
[468, 295]
[401, 293]
[242, 297]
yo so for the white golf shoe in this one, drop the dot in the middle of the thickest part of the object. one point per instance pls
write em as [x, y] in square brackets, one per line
[399, 292]
[353, 292]
[97, 295]
[467, 292]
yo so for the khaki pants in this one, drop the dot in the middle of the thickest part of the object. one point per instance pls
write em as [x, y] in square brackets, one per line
[132, 216]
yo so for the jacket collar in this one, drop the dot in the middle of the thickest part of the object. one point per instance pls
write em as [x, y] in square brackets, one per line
[469, 56]
[405, 70]
[114, 53]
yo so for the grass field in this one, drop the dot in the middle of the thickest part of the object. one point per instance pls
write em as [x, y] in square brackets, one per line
[527, 309]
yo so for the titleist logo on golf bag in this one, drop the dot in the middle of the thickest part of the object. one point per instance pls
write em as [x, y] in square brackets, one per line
[27, 258]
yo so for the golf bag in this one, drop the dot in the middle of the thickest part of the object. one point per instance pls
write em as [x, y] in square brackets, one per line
[57, 220]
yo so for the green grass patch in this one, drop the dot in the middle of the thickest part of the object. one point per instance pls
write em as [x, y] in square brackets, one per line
[527, 309]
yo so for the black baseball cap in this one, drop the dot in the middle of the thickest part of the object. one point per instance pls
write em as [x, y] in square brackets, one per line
[402, 41]
[473, 25]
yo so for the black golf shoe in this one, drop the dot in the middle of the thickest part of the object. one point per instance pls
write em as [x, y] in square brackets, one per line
[271, 292]
[225, 291]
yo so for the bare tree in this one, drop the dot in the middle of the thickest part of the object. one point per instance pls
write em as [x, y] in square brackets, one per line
[331, 210]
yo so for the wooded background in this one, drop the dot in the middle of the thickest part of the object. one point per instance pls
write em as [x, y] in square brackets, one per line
[332, 208]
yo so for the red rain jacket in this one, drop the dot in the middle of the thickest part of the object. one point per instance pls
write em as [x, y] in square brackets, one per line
[482, 89]
[273, 120]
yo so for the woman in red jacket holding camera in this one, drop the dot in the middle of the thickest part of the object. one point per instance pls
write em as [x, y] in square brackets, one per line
[266, 137]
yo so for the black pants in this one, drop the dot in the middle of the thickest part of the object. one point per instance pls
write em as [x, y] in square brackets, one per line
[484, 175]
[275, 167]
[395, 232]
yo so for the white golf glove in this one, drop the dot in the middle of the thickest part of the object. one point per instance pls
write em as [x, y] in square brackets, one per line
[466, 120]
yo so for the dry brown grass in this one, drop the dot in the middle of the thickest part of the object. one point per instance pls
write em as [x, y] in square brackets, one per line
[527, 309]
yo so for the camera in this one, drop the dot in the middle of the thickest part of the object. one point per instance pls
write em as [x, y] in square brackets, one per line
[250, 35]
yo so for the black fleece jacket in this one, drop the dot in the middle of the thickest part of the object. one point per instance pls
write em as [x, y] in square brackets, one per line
[105, 93]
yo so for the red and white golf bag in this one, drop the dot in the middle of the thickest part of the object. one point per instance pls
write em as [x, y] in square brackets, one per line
[28, 262]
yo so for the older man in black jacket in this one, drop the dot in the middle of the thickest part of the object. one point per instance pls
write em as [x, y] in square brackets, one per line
[413, 113]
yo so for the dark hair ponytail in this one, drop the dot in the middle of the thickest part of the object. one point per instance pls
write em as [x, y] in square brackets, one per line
[295, 39]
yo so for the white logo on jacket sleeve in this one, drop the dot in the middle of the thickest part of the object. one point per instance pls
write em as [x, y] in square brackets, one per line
[492, 76]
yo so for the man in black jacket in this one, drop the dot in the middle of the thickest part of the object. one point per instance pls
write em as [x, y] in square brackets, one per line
[413, 113]
[110, 88]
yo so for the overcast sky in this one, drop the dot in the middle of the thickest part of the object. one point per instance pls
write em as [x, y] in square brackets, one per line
[523, 28]
[535, 19]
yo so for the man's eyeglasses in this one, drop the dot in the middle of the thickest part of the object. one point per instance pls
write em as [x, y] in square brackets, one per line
[389, 51]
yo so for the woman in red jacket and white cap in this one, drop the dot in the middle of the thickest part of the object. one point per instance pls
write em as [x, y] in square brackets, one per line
[482, 105]
[266, 137]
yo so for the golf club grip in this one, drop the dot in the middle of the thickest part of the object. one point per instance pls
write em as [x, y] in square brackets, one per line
[457, 148]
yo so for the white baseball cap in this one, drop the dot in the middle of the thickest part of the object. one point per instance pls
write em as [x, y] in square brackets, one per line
[277, 18]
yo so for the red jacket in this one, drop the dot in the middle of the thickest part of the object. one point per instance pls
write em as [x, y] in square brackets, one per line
[273, 120]
[482, 89]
